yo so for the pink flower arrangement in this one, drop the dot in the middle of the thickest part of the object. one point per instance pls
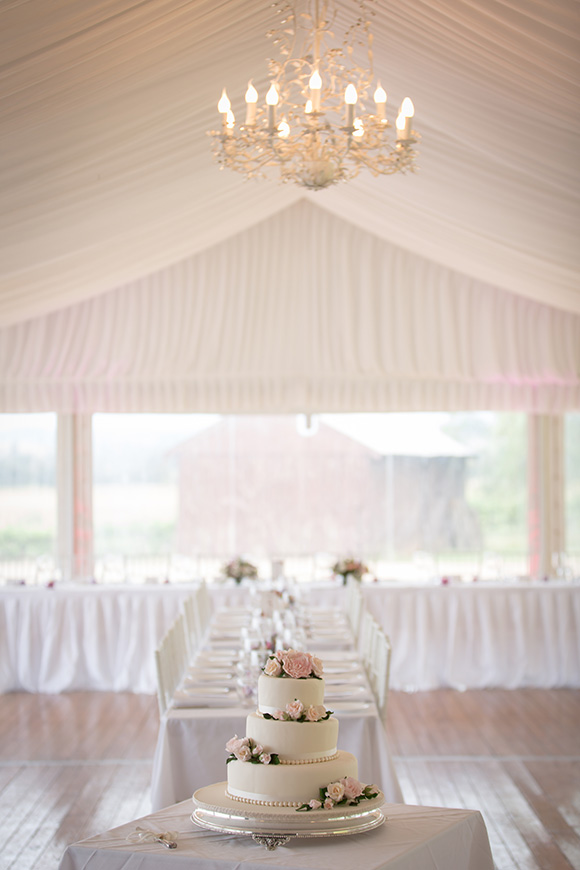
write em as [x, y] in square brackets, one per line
[239, 568]
[296, 712]
[246, 749]
[295, 664]
[350, 566]
[344, 792]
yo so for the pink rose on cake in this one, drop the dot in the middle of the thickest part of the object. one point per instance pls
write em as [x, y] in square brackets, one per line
[314, 804]
[295, 709]
[243, 752]
[265, 758]
[297, 664]
[315, 713]
[293, 663]
[317, 667]
[335, 791]
[234, 743]
[273, 668]
[352, 787]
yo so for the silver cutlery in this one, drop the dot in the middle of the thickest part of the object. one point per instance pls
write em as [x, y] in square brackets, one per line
[169, 844]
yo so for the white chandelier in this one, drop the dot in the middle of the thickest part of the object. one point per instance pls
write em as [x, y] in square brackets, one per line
[318, 124]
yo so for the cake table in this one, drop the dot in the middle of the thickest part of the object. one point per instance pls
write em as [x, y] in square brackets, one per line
[412, 838]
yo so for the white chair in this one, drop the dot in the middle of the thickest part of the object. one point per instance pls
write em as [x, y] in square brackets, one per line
[204, 610]
[368, 629]
[380, 670]
[191, 625]
[171, 658]
[354, 607]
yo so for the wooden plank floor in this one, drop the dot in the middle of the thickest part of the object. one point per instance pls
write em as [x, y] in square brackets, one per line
[69, 769]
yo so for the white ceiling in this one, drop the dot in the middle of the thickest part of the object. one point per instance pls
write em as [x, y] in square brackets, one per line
[107, 176]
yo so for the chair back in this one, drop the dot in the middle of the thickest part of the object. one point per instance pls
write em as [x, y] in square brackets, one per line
[354, 607]
[171, 659]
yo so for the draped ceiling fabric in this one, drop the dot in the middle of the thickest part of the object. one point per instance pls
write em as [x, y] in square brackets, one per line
[134, 275]
[302, 312]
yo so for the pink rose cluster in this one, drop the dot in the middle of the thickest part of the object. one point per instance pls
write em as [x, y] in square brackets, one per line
[344, 791]
[297, 712]
[293, 663]
[245, 749]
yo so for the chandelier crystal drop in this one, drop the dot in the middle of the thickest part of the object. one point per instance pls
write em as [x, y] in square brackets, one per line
[323, 117]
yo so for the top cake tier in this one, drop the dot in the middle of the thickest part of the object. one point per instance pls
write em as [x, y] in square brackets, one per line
[275, 692]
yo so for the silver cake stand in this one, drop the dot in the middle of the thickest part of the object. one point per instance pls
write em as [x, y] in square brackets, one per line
[274, 826]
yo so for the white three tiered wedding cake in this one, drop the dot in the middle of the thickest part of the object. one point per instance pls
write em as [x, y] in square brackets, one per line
[289, 756]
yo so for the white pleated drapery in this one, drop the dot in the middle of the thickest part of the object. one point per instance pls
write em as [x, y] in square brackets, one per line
[302, 312]
[107, 176]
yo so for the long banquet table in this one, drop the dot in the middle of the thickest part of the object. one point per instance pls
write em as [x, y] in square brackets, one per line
[89, 637]
[465, 636]
[480, 635]
[412, 838]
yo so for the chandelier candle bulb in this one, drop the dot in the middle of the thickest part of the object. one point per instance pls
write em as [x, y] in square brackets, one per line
[403, 127]
[350, 98]
[251, 100]
[380, 98]
[272, 101]
[224, 105]
[315, 85]
[404, 119]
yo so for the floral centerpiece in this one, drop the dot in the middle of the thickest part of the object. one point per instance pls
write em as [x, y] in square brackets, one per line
[344, 792]
[238, 569]
[293, 663]
[349, 567]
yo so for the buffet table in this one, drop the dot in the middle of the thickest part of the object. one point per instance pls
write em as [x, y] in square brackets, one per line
[412, 838]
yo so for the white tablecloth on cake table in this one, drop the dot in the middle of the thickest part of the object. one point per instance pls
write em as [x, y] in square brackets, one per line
[412, 838]
[480, 635]
[190, 750]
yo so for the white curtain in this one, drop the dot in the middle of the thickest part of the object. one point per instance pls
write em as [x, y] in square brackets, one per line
[300, 313]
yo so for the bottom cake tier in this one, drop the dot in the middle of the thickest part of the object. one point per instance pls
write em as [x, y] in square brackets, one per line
[286, 784]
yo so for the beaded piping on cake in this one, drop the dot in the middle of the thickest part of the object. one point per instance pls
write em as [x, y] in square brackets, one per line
[263, 803]
[310, 760]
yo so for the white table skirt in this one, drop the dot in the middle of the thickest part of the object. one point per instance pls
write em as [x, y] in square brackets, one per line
[480, 636]
[190, 751]
[93, 638]
[412, 838]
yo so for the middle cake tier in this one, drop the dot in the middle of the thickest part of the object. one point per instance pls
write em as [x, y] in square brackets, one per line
[294, 742]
